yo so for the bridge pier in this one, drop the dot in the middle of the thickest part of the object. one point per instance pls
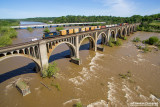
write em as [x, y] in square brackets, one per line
[76, 59]
[43, 56]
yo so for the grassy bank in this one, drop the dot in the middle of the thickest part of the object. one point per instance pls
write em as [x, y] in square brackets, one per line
[154, 26]
[7, 33]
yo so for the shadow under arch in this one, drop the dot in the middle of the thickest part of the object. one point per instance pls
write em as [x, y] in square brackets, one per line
[124, 33]
[131, 29]
[63, 54]
[91, 41]
[113, 34]
[104, 38]
[119, 33]
[30, 68]
[128, 31]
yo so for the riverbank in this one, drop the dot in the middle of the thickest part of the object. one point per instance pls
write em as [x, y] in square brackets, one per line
[96, 81]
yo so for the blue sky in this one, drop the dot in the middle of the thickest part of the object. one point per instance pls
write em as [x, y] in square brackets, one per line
[56, 8]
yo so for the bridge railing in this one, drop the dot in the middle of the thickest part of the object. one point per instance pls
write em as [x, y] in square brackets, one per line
[18, 46]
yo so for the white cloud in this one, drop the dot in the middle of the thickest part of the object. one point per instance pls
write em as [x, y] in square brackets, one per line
[119, 7]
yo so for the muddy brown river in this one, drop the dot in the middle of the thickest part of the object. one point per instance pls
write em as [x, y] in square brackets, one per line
[95, 83]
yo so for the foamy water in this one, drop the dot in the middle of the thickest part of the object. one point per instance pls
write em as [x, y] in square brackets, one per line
[87, 73]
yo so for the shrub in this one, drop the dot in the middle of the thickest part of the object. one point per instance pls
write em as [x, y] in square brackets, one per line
[5, 40]
[59, 28]
[52, 70]
[78, 104]
[56, 86]
[29, 29]
[46, 30]
[158, 44]
[110, 43]
[145, 49]
[139, 47]
[118, 42]
[125, 38]
[153, 40]
[137, 39]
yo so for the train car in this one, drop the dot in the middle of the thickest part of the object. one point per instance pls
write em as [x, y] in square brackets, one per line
[76, 30]
[92, 28]
[95, 27]
[63, 32]
[107, 25]
[83, 29]
[103, 27]
[87, 29]
[50, 35]
[70, 31]
[99, 27]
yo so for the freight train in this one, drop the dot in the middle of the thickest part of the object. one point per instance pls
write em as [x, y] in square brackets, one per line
[78, 30]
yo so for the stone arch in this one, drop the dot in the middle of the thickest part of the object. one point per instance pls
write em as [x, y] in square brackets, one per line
[91, 40]
[72, 48]
[37, 62]
[113, 34]
[124, 33]
[131, 30]
[32, 51]
[104, 37]
[119, 34]
[26, 51]
[128, 31]
[36, 51]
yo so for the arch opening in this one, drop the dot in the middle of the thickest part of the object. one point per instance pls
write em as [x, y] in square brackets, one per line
[128, 31]
[131, 30]
[119, 34]
[86, 44]
[15, 52]
[102, 39]
[61, 51]
[19, 65]
[124, 32]
[1, 55]
[112, 34]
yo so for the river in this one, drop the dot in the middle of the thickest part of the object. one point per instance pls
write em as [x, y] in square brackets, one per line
[94, 83]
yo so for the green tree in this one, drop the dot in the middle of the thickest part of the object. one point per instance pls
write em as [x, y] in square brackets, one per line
[46, 30]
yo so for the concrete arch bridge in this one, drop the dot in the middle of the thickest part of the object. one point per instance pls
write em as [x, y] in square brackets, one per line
[40, 51]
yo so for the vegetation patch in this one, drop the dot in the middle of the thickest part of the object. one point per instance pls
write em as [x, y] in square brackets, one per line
[125, 38]
[151, 41]
[6, 35]
[59, 28]
[145, 49]
[112, 42]
[56, 86]
[78, 104]
[136, 39]
[46, 30]
[30, 29]
[125, 76]
[118, 42]
[51, 71]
